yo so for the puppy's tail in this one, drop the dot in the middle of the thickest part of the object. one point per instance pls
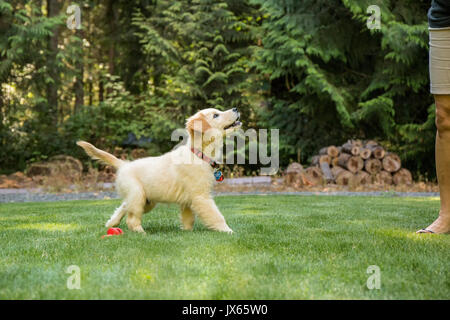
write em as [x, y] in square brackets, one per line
[101, 155]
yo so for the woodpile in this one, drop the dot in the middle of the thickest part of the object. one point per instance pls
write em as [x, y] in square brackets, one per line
[297, 177]
[355, 163]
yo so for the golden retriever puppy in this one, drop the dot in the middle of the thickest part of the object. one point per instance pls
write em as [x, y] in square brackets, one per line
[184, 175]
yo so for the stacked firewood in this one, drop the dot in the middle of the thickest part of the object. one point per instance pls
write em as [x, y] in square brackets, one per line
[355, 163]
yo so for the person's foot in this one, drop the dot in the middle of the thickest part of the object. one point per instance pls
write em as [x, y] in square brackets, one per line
[440, 225]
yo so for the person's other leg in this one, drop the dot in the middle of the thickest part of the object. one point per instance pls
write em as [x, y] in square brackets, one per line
[442, 223]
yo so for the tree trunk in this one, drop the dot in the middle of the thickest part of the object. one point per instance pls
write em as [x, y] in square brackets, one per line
[403, 176]
[111, 15]
[112, 57]
[91, 94]
[2, 116]
[89, 36]
[51, 114]
[79, 82]
[101, 91]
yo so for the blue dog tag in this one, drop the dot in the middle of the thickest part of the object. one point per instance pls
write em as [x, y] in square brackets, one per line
[218, 175]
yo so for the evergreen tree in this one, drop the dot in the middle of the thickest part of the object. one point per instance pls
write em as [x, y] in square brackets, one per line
[28, 113]
[327, 77]
[138, 68]
[205, 46]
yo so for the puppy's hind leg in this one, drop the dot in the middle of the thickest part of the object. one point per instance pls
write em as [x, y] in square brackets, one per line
[117, 216]
[135, 208]
[187, 218]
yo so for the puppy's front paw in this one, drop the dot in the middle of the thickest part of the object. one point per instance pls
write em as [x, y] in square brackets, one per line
[138, 229]
[226, 229]
[110, 224]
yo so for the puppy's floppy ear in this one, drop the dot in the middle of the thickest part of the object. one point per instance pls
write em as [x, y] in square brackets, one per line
[197, 123]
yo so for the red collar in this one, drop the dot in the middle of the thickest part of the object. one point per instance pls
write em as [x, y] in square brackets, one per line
[204, 157]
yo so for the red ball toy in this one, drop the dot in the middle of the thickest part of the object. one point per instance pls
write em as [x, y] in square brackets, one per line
[114, 231]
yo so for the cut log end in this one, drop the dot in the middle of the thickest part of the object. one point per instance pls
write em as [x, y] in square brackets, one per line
[355, 164]
[377, 152]
[403, 176]
[365, 153]
[314, 175]
[325, 158]
[383, 177]
[294, 175]
[333, 151]
[351, 148]
[372, 166]
[362, 178]
[345, 178]
[392, 162]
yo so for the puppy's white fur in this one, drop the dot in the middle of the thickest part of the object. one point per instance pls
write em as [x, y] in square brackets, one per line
[173, 177]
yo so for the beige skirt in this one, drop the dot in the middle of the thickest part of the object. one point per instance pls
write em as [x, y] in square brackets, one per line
[440, 61]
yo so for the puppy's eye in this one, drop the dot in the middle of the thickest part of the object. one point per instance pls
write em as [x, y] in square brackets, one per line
[215, 115]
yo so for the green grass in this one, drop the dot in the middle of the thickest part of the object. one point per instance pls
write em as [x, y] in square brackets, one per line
[284, 247]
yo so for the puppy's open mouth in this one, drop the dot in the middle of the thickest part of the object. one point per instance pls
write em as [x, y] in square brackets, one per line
[234, 124]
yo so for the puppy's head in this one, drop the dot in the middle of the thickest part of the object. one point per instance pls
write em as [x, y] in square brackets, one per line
[214, 121]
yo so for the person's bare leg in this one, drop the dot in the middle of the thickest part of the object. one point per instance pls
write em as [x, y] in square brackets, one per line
[442, 223]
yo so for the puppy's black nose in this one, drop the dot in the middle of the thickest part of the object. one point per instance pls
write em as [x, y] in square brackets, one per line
[235, 109]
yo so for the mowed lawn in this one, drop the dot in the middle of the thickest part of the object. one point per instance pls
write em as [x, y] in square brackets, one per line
[284, 247]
